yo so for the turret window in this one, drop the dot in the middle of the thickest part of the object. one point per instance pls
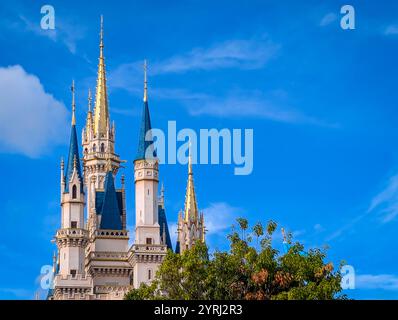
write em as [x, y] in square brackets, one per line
[148, 240]
[73, 224]
[149, 274]
[102, 147]
[74, 192]
[94, 147]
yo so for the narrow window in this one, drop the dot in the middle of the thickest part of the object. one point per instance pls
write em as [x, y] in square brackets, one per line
[148, 240]
[102, 147]
[73, 273]
[148, 192]
[94, 147]
[74, 192]
[73, 224]
[149, 274]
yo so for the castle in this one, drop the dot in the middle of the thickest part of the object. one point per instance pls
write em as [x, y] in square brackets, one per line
[94, 260]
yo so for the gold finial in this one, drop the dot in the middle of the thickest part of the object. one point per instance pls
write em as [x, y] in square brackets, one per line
[145, 82]
[102, 33]
[89, 100]
[189, 159]
[73, 103]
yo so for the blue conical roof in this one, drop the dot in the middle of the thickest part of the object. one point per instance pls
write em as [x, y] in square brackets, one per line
[143, 145]
[73, 153]
[163, 224]
[110, 214]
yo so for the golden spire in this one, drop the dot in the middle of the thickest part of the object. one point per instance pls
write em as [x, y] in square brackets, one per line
[191, 206]
[101, 113]
[73, 103]
[145, 82]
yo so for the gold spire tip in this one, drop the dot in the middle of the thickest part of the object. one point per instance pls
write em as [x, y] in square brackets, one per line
[102, 32]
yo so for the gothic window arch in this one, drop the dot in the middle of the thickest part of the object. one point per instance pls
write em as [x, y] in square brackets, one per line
[85, 151]
[74, 192]
[102, 147]
[94, 148]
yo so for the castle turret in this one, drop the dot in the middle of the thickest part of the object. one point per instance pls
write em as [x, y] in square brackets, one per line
[191, 228]
[72, 236]
[148, 247]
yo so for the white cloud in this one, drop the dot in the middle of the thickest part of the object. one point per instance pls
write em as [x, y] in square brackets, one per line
[220, 216]
[328, 19]
[380, 281]
[32, 121]
[245, 54]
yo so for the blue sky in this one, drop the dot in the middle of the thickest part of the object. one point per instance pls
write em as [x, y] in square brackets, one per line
[321, 101]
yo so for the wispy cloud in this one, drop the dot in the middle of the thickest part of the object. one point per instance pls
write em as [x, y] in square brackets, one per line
[65, 32]
[380, 281]
[32, 120]
[239, 53]
[328, 19]
[385, 203]
[384, 206]
[391, 30]
[255, 104]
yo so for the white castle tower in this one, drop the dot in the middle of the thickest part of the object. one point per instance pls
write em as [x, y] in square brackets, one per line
[149, 249]
[72, 237]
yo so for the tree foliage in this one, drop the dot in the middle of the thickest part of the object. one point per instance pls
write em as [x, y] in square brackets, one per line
[246, 271]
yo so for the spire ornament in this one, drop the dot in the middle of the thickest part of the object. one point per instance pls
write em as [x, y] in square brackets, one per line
[101, 110]
[145, 81]
[73, 103]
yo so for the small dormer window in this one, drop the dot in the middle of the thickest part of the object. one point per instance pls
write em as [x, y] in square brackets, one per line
[74, 192]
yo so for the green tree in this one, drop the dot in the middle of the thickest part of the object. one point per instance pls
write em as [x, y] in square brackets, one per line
[244, 271]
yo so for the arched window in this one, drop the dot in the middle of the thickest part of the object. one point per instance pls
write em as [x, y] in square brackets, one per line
[102, 147]
[94, 147]
[85, 151]
[74, 192]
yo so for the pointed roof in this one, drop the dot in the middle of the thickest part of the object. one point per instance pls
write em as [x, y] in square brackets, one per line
[110, 213]
[101, 110]
[164, 228]
[143, 144]
[73, 156]
[191, 206]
